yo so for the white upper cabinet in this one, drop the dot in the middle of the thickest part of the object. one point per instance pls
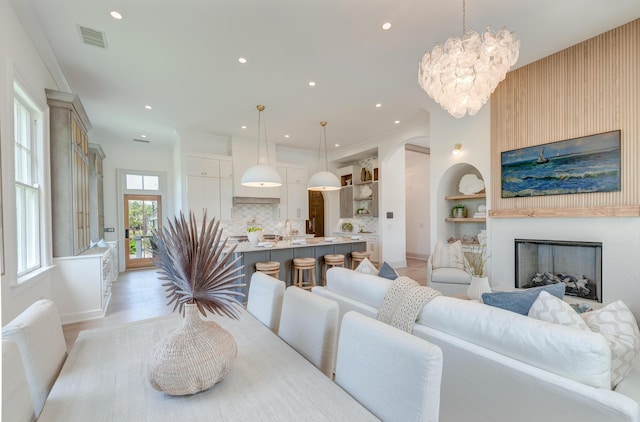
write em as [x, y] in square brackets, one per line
[199, 166]
[209, 186]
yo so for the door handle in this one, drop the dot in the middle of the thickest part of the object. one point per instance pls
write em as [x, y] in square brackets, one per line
[126, 233]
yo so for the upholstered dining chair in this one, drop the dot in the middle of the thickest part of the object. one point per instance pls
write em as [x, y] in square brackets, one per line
[37, 331]
[394, 374]
[265, 299]
[16, 399]
[309, 324]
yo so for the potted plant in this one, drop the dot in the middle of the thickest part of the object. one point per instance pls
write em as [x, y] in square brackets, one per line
[475, 263]
[254, 233]
[346, 226]
[200, 277]
[458, 211]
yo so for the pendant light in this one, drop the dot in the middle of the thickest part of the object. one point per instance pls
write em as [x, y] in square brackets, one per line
[323, 180]
[261, 175]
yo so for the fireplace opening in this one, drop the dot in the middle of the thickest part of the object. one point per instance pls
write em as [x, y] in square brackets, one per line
[577, 264]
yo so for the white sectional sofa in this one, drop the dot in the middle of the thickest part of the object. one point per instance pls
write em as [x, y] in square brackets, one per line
[503, 366]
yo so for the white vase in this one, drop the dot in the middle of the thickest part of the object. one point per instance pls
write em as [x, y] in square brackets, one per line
[254, 237]
[478, 286]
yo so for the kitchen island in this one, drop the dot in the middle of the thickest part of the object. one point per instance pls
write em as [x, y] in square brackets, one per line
[285, 251]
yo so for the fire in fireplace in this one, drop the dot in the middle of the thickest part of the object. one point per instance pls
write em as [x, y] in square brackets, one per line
[577, 264]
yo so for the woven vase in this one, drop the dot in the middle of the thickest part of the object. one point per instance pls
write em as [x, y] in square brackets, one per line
[192, 358]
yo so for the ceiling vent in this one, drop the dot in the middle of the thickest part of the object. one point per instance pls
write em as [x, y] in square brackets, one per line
[145, 141]
[93, 37]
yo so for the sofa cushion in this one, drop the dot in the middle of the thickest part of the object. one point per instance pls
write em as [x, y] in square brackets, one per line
[616, 322]
[579, 355]
[366, 267]
[551, 309]
[387, 271]
[450, 275]
[520, 301]
[448, 256]
[366, 288]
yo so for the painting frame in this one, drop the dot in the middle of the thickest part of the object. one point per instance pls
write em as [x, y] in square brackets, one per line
[586, 164]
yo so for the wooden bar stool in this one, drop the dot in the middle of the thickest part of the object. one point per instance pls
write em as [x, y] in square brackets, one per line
[271, 268]
[330, 261]
[357, 257]
[300, 265]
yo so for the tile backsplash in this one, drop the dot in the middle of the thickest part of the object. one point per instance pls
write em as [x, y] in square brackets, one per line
[263, 215]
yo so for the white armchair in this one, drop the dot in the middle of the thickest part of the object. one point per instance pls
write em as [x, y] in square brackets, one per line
[445, 269]
[16, 400]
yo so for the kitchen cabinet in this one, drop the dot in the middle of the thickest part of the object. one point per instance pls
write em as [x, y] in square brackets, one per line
[359, 191]
[69, 154]
[209, 186]
[96, 192]
[346, 202]
[294, 197]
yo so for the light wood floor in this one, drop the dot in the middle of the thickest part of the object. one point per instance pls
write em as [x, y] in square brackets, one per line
[138, 295]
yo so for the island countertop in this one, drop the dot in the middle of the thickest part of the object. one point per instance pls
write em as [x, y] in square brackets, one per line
[285, 251]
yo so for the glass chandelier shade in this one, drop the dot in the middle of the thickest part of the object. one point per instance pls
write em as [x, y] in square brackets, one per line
[462, 74]
[323, 180]
[261, 175]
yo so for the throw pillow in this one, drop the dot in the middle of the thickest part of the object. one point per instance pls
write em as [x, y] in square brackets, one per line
[448, 256]
[520, 301]
[551, 309]
[387, 271]
[616, 322]
[366, 267]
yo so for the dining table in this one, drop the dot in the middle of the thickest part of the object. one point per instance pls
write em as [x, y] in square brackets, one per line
[104, 378]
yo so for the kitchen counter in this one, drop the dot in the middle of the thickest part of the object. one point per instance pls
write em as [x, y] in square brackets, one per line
[285, 251]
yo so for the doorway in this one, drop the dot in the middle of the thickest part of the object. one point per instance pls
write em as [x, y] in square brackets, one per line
[142, 214]
[315, 225]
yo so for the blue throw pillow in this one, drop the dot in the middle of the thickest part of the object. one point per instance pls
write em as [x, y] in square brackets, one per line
[521, 300]
[387, 271]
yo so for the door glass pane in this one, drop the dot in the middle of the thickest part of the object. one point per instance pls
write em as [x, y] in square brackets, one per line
[143, 217]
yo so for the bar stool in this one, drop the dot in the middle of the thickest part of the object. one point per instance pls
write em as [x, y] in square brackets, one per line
[330, 261]
[300, 265]
[271, 268]
[357, 257]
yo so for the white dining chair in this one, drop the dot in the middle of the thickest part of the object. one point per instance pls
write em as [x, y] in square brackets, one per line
[394, 374]
[309, 324]
[265, 299]
[37, 332]
[16, 399]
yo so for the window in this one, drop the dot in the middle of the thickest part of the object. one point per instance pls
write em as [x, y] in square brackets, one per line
[142, 182]
[26, 129]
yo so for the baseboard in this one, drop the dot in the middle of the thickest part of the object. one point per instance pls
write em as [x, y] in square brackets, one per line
[82, 316]
[398, 264]
[418, 256]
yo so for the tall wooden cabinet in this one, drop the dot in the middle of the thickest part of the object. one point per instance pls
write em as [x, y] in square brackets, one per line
[69, 126]
[96, 195]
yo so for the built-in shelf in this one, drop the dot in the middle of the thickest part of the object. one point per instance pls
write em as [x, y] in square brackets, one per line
[458, 197]
[465, 220]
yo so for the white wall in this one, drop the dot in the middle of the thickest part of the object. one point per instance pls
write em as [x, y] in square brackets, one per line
[20, 59]
[417, 204]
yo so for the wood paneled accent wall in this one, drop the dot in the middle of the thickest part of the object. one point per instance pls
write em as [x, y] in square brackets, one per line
[590, 88]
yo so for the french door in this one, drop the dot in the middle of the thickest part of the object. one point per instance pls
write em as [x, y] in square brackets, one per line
[142, 214]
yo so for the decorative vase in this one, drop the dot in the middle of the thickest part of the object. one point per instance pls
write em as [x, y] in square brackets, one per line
[478, 286]
[254, 237]
[193, 357]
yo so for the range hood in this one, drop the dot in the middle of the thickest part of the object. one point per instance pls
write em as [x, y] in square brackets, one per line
[237, 200]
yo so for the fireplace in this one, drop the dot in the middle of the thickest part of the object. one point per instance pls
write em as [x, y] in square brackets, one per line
[577, 264]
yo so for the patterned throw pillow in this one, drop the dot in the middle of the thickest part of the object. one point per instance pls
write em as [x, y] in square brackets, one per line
[616, 322]
[448, 256]
[549, 308]
[387, 271]
[366, 267]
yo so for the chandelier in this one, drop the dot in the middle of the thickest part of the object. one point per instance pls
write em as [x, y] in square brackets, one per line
[462, 74]
[323, 180]
[261, 175]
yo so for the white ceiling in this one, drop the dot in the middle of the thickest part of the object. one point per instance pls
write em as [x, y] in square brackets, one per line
[181, 57]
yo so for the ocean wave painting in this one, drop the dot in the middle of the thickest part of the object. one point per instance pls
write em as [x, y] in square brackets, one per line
[580, 165]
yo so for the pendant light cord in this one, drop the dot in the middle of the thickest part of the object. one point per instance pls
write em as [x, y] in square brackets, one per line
[266, 141]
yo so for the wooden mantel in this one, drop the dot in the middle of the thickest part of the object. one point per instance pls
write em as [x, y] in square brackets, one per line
[618, 211]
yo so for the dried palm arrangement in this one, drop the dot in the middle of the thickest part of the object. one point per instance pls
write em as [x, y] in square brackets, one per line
[200, 278]
[194, 267]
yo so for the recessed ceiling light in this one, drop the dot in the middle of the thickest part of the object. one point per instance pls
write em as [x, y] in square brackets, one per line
[397, 122]
[287, 136]
[312, 83]
[336, 145]
[242, 60]
[378, 105]
[148, 107]
[116, 15]
[386, 26]
[243, 127]
[143, 136]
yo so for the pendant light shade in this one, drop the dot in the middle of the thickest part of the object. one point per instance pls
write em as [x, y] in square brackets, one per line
[261, 175]
[324, 180]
